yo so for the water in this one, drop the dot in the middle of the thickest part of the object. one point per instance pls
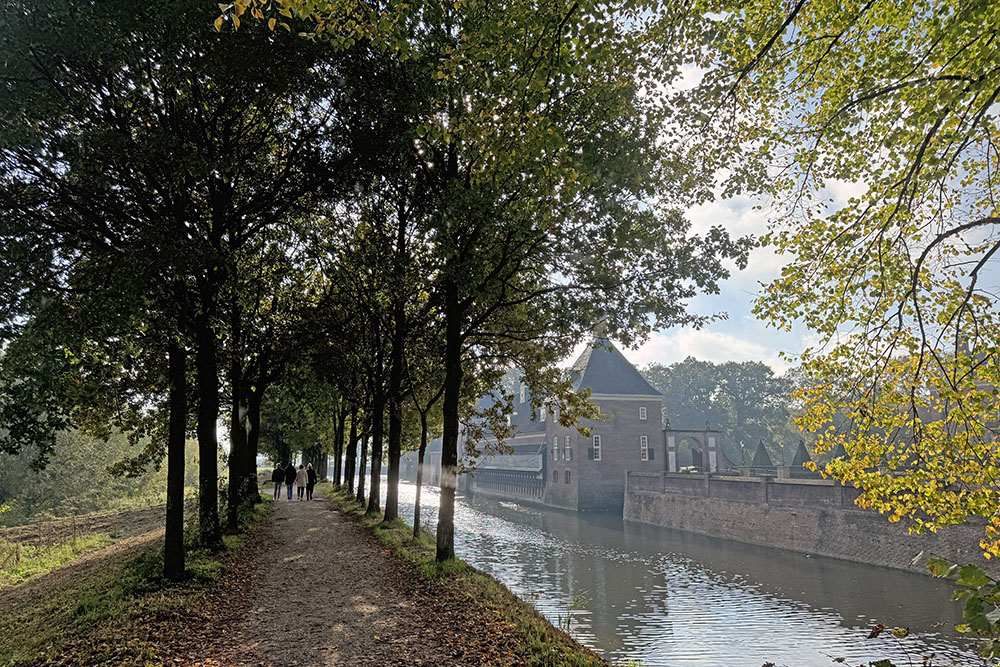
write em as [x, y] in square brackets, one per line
[663, 597]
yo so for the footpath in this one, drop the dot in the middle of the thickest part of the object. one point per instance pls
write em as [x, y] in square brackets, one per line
[319, 589]
[323, 591]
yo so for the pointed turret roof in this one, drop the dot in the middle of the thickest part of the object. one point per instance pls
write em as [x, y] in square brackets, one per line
[839, 452]
[761, 459]
[801, 455]
[604, 369]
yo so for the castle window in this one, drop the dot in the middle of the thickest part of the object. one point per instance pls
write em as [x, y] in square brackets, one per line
[522, 393]
[542, 413]
[555, 448]
[642, 413]
[555, 412]
[568, 449]
[643, 448]
[567, 476]
[596, 449]
[555, 475]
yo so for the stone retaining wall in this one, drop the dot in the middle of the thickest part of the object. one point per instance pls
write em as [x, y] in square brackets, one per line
[808, 516]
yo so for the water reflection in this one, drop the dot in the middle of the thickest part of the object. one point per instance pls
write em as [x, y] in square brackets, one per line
[671, 598]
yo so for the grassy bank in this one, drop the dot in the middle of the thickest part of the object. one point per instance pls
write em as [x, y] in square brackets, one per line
[541, 642]
[109, 612]
[19, 562]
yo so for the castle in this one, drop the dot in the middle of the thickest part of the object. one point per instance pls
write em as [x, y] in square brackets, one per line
[559, 467]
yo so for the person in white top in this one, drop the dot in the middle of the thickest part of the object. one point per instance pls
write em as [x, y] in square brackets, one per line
[301, 479]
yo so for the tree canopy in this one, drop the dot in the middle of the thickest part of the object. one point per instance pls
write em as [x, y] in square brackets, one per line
[895, 103]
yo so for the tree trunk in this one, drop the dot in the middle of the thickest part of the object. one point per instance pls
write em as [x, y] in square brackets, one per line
[312, 455]
[323, 467]
[338, 445]
[378, 428]
[173, 542]
[208, 443]
[395, 414]
[361, 469]
[420, 474]
[449, 444]
[237, 440]
[352, 452]
[254, 398]
[284, 451]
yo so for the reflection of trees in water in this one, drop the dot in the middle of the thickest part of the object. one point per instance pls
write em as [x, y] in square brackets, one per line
[650, 586]
[636, 554]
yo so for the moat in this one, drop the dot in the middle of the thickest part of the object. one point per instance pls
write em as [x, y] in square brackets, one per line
[663, 597]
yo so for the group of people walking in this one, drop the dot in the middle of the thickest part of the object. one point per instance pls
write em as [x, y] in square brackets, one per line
[304, 479]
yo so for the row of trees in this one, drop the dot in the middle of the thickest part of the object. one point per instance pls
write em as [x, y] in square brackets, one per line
[409, 198]
[326, 238]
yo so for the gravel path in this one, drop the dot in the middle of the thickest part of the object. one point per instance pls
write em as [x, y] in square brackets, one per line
[325, 592]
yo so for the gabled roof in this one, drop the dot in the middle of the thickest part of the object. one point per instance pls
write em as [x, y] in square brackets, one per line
[604, 369]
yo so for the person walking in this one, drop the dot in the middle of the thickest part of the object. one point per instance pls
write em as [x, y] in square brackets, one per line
[290, 476]
[311, 483]
[277, 477]
[301, 479]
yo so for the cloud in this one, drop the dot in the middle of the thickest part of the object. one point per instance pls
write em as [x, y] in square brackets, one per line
[673, 346]
[843, 191]
[741, 216]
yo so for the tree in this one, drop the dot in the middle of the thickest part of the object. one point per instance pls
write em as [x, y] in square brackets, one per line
[744, 400]
[139, 142]
[539, 145]
[425, 381]
[895, 100]
[689, 389]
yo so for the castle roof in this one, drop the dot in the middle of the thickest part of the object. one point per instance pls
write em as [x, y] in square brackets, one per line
[801, 455]
[761, 459]
[604, 369]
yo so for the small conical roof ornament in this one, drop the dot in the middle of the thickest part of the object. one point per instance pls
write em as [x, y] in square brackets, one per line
[839, 452]
[762, 459]
[801, 455]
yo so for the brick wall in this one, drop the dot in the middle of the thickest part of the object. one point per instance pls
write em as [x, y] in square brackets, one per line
[601, 484]
[808, 517]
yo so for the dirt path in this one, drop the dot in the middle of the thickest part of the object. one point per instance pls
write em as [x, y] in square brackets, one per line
[325, 592]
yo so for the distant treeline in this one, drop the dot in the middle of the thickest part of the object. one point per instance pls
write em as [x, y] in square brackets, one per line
[78, 481]
[744, 400]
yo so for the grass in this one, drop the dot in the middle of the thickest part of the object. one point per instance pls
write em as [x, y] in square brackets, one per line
[84, 622]
[543, 643]
[24, 561]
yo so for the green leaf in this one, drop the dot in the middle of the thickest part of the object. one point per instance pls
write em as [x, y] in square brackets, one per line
[972, 576]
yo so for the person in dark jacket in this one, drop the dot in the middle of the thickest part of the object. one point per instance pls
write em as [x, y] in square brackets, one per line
[290, 478]
[277, 477]
[311, 482]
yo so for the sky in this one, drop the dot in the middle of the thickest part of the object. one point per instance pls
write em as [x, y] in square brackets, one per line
[740, 337]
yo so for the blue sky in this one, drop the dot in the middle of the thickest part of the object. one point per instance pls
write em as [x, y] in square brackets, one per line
[741, 337]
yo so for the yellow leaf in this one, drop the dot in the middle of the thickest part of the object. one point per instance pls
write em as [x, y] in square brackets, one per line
[236, 22]
[218, 24]
[270, 23]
